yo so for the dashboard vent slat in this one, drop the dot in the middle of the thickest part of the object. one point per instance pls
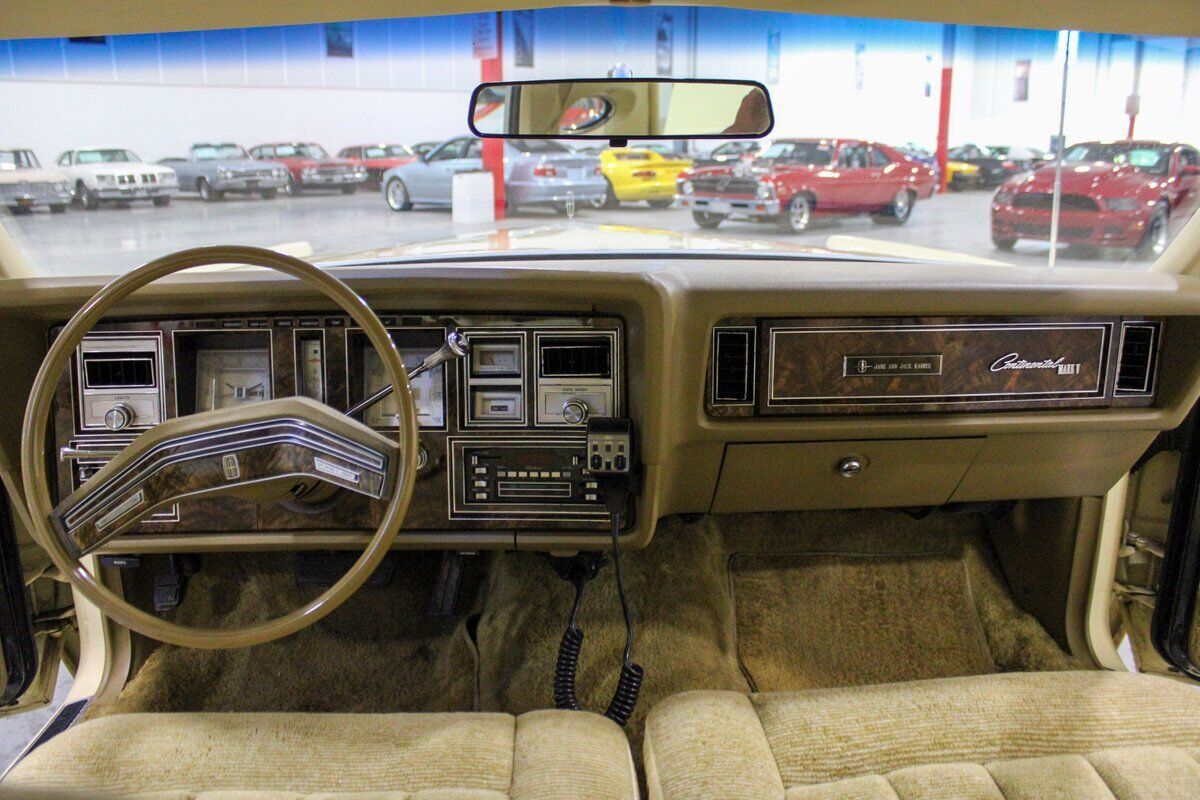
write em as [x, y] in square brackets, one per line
[1135, 368]
[733, 365]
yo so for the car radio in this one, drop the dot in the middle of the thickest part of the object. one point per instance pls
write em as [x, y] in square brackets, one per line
[522, 479]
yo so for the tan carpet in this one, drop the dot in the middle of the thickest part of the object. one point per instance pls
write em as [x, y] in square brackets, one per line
[379, 652]
[806, 622]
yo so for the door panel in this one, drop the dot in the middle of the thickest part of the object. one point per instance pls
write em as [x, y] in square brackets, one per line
[24, 686]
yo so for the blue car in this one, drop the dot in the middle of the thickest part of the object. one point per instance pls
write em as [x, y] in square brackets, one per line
[537, 172]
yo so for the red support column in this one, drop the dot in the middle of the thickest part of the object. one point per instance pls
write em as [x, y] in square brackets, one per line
[943, 133]
[492, 69]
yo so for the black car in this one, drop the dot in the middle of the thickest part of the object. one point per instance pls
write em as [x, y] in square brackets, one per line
[996, 163]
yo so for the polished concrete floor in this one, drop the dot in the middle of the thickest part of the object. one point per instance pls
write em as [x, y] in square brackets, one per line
[113, 240]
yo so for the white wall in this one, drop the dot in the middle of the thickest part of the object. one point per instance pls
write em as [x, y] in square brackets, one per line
[160, 121]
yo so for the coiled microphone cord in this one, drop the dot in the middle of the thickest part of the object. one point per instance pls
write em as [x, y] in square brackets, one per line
[629, 684]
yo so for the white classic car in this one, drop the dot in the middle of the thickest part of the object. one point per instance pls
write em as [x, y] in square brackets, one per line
[115, 174]
[24, 184]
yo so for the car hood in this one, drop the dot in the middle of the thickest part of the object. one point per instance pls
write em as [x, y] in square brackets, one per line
[9, 177]
[569, 238]
[235, 164]
[124, 168]
[1085, 179]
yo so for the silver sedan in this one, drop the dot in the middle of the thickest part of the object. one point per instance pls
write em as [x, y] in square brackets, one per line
[536, 172]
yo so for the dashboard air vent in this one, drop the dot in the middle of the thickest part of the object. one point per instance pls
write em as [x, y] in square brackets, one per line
[733, 365]
[576, 357]
[1135, 370]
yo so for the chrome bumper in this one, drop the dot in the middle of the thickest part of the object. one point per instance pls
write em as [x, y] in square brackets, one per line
[741, 207]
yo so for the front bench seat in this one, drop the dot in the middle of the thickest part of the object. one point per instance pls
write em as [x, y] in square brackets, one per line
[542, 755]
[1069, 735]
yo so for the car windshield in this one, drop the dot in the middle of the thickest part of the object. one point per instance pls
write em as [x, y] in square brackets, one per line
[1146, 158]
[18, 159]
[218, 152]
[388, 151]
[314, 151]
[801, 152]
[105, 157]
[891, 137]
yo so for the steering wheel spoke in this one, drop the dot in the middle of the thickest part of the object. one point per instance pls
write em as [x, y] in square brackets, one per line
[264, 451]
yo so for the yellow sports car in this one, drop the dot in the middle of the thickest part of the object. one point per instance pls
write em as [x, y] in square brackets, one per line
[961, 175]
[640, 174]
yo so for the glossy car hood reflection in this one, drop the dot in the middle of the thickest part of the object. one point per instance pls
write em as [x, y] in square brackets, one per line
[1087, 178]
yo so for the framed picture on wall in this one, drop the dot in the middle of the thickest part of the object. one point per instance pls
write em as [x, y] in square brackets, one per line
[339, 40]
[523, 32]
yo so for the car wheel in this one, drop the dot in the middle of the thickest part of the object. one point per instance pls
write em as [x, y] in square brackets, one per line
[609, 199]
[798, 215]
[207, 193]
[18, 211]
[898, 211]
[665, 202]
[161, 201]
[291, 187]
[58, 208]
[1003, 243]
[349, 189]
[1154, 241]
[397, 196]
[90, 200]
[707, 220]
[268, 194]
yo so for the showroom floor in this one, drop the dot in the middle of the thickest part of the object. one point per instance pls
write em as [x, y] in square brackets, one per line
[113, 240]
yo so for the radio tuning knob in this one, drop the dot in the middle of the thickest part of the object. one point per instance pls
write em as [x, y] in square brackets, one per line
[119, 417]
[575, 412]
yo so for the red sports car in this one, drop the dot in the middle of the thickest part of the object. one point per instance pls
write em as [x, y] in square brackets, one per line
[310, 167]
[378, 158]
[796, 180]
[1114, 194]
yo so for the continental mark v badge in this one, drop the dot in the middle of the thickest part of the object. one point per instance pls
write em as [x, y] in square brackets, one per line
[230, 464]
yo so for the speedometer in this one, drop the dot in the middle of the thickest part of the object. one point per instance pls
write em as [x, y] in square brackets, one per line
[428, 390]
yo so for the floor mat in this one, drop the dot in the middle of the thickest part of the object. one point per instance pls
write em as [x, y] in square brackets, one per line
[814, 620]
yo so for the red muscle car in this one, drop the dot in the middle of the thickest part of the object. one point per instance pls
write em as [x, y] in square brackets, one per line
[796, 180]
[1114, 194]
[310, 167]
[378, 158]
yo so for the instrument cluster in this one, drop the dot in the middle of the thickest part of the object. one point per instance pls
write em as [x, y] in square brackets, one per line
[502, 430]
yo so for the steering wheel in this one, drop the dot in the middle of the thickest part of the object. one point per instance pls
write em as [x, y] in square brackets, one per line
[269, 450]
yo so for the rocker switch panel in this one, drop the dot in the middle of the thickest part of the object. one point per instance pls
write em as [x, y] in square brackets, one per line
[609, 446]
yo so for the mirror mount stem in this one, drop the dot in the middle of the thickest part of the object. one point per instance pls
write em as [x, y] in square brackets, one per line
[618, 143]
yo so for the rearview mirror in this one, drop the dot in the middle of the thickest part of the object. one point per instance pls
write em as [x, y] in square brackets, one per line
[621, 109]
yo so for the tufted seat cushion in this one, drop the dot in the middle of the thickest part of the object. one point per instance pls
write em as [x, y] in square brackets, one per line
[1076, 735]
[543, 755]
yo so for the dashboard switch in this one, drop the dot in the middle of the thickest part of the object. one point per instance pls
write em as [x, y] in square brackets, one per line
[119, 417]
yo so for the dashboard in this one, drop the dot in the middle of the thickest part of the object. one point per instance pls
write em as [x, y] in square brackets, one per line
[502, 430]
[752, 386]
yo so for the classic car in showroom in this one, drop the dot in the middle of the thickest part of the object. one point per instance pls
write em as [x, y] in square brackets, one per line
[213, 170]
[378, 158]
[994, 165]
[537, 172]
[25, 184]
[115, 175]
[793, 181]
[310, 167]
[1126, 194]
[640, 173]
[309, 500]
